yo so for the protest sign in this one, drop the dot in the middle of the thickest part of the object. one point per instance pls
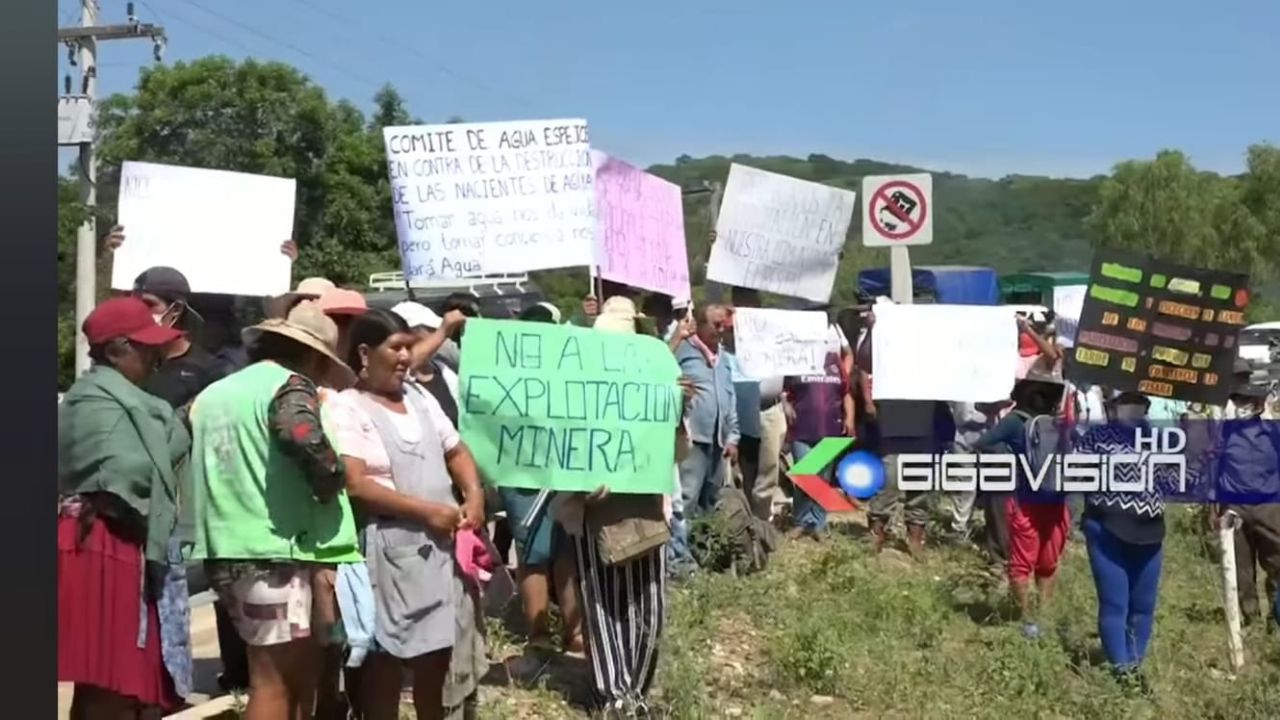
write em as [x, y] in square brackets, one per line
[779, 234]
[957, 353]
[769, 343]
[475, 199]
[1068, 302]
[222, 230]
[1161, 329]
[640, 229]
[565, 408]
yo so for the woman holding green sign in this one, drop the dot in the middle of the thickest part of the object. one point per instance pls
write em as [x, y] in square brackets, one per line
[619, 542]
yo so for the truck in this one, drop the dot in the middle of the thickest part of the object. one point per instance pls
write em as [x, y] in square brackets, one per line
[501, 296]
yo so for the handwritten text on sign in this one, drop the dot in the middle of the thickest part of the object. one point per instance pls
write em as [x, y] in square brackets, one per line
[566, 408]
[972, 355]
[771, 342]
[222, 230]
[641, 229]
[484, 198]
[779, 234]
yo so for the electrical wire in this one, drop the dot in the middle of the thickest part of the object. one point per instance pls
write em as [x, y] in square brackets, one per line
[269, 38]
[348, 22]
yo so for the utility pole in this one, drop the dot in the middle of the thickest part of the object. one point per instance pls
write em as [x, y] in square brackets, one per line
[82, 44]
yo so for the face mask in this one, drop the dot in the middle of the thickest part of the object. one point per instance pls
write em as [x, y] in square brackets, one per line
[1130, 413]
[161, 317]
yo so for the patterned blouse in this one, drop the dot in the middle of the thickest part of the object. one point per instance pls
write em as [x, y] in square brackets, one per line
[295, 423]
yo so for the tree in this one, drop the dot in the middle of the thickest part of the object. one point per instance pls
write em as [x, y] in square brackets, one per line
[268, 118]
[1166, 208]
[71, 214]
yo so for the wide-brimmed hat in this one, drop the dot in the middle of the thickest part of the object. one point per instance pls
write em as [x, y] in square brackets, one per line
[309, 289]
[618, 314]
[307, 325]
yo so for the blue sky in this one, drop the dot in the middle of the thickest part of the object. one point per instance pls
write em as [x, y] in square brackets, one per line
[983, 87]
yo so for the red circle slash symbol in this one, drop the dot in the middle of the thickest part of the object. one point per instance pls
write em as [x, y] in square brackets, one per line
[897, 210]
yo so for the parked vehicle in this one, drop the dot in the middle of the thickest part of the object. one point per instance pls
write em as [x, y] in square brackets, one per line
[951, 284]
[501, 296]
[1255, 341]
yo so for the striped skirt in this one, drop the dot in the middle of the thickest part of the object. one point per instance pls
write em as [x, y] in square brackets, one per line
[624, 609]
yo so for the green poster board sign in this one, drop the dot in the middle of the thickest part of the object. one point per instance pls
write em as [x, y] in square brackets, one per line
[565, 408]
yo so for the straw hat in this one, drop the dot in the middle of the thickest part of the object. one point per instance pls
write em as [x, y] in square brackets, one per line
[308, 325]
[618, 314]
[310, 289]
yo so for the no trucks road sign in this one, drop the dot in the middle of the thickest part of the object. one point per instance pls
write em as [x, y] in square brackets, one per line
[899, 210]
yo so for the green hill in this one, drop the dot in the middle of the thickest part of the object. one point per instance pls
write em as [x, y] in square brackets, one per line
[1018, 223]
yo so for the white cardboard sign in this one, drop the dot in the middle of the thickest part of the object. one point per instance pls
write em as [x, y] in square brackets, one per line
[897, 210]
[475, 199]
[779, 234]
[769, 342]
[956, 353]
[1068, 302]
[222, 230]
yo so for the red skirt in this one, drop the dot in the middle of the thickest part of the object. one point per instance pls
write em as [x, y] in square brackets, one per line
[98, 610]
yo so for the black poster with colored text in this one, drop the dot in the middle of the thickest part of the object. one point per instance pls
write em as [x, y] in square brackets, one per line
[1162, 329]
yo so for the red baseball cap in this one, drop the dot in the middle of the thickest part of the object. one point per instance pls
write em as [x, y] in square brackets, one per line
[126, 317]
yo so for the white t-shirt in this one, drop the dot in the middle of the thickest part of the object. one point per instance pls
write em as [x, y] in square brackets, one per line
[359, 438]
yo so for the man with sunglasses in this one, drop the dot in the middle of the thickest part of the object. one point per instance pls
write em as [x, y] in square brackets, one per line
[186, 368]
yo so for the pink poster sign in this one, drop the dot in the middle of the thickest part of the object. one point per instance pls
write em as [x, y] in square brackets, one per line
[640, 229]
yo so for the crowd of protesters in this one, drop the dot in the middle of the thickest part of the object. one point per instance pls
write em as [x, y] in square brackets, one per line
[310, 458]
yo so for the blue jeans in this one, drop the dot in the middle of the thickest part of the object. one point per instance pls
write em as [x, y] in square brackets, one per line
[806, 513]
[1127, 578]
[701, 476]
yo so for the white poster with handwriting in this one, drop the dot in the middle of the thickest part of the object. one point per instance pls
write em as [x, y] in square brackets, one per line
[779, 234]
[956, 353]
[1068, 302]
[771, 343]
[475, 199]
[222, 230]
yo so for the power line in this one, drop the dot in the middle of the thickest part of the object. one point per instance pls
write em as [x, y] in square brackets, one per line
[347, 22]
[185, 20]
[285, 43]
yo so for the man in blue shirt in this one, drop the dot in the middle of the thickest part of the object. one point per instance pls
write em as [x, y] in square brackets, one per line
[1248, 484]
[712, 420]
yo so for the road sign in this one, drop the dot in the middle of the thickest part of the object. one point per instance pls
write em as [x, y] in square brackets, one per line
[899, 210]
[75, 120]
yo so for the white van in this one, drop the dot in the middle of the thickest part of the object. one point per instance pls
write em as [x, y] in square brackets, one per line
[1255, 341]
